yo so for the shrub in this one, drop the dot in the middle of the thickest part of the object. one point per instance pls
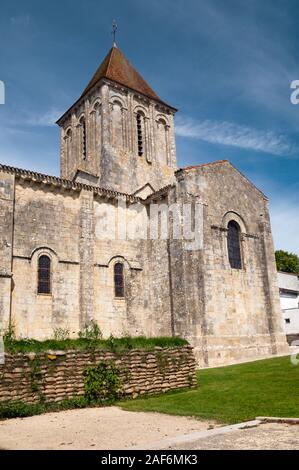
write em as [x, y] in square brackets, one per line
[101, 383]
[61, 334]
[20, 409]
[91, 332]
[9, 334]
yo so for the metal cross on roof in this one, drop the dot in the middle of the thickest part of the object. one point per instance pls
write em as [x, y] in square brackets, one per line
[114, 29]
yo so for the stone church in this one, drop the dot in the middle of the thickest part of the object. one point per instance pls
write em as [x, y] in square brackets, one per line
[118, 144]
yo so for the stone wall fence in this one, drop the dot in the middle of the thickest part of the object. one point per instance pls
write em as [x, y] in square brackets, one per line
[53, 376]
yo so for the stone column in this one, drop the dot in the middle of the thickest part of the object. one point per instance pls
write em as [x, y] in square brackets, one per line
[148, 147]
[86, 253]
[273, 308]
[7, 196]
[172, 148]
[63, 156]
[105, 116]
[188, 289]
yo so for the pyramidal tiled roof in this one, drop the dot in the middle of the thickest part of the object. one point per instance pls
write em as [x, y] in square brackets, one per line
[117, 68]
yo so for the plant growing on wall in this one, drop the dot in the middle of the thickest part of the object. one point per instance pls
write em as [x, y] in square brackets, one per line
[8, 333]
[61, 334]
[102, 383]
[91, 331]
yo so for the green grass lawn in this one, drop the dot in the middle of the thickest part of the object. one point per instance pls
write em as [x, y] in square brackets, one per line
[233, 394]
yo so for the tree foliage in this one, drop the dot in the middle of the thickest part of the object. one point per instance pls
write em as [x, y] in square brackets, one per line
[287, 262]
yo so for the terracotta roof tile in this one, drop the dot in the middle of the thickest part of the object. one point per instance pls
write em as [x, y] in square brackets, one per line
[65, 183]
[117, 68]
[184, 168]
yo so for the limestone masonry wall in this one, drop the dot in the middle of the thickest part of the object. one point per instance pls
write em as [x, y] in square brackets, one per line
[54, 376]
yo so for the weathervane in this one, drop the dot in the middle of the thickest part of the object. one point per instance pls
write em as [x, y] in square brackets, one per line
[114, 29]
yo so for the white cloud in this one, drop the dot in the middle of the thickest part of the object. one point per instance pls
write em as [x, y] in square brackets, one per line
[46, 119]
[236, 135]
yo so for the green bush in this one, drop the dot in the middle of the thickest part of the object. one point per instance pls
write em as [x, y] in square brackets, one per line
[102, 383]
[20, 410]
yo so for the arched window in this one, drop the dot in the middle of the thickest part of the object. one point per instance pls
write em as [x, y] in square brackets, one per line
[162, 141]
[234, 245]
[119, 288]
[139, 122]
[44, 275]
[68, 140]
[83, 137]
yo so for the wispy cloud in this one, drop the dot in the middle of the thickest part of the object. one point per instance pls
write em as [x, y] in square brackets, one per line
[236, 135]
[21, 20]
[46, 119]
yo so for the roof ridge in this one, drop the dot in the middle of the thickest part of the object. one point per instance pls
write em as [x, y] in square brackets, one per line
[116, 68]
[110, 59]
[160, 191]
[219, 162]
[201, 165]
[63, 181]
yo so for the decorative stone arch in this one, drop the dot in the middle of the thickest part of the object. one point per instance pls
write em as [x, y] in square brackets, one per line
[162, 118]
[141, 130]
[95, 129]
[68, 139]
[116, 99]
[81, 136]
[118, 122]
[139, 108]
[162, 139]
[232, 216]
[80, 117]
[97, 104]
[68, 129]
[119, 259]
[43, 250]
[115, 260]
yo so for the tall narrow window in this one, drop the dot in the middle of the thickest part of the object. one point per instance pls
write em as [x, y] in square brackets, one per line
[139, 134]
[233, 245]
[68, 140]
[117, 126]
[162, 141]
[83, 137]
[44, 275]
[119, 280]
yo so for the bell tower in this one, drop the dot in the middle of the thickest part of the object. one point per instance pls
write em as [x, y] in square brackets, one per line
[119, 134]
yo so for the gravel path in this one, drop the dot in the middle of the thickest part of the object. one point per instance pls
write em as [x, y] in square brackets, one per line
[112, 428]
[93, 428]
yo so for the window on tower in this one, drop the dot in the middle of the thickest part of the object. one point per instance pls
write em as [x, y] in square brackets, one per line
[68, 145]
[83, 137]
[139, 119]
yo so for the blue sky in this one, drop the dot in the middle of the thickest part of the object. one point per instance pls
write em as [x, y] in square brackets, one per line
[226, 64]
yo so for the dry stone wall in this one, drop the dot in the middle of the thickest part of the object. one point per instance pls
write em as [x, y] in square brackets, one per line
[57, 375]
